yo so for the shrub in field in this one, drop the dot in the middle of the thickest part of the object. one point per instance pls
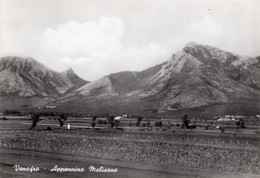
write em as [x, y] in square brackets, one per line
[139, 118]
[138, 124]
[240, 124]
[144, 125]
[192, 127]
[158, 124]
[222, 129]
[93, 124]
[35, 120]
[4, 118]
[94, 118]
[237, 124]
[148, 124]
[117, 123]
[48, 128]
[112, 124]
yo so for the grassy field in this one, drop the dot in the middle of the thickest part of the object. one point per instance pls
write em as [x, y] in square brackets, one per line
[123, 143]
[46, 161]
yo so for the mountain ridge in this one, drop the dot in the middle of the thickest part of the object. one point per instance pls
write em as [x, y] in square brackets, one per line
[198, 75]
[27, 78]
[194, 77]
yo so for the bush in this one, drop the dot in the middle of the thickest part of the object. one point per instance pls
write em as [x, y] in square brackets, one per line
[158, 124]
[222, 129]
[48, 128]
[138, 123]
[112, 124]
[139, 118]
[117, 123]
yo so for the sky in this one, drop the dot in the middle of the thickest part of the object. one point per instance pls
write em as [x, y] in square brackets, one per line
[99, 37]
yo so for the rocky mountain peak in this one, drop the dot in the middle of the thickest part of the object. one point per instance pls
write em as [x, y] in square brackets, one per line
[27, 77]
[191, 44]
[69, 71]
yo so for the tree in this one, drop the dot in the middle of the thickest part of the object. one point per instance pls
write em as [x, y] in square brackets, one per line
[111, 121]
[62, 119]
[139, 120]
[93, 124]
[185, 121]
[160, 124]
[35, 120]
[94, 118]
[138, 124]
[237, 124]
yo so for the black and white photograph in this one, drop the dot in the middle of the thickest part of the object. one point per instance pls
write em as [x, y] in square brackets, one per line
[129, 89]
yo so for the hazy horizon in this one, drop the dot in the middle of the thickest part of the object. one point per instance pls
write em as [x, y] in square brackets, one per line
[98, 37]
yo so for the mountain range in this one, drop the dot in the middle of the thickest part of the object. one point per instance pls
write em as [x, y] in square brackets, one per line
[198, 76]
[32, 83]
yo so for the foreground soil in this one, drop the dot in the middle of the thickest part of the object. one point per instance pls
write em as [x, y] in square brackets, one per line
[46, 161]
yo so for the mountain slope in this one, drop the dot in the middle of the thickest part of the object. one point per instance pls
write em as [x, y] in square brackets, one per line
[199, 75]
[26, 78]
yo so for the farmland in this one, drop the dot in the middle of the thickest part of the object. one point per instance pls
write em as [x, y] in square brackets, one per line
[234, 151]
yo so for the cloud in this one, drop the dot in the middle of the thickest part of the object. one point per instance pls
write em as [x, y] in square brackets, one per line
[207, 26]
[95, 49]
[76, 40]
[144, 55]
